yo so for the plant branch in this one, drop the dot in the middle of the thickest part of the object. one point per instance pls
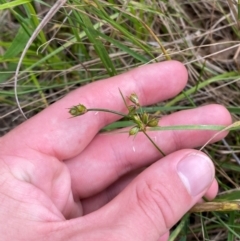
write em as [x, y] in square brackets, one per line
[150, 139]
[109, 111]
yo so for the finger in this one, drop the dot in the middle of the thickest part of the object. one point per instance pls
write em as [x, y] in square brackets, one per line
[164, 237]
[55, 133]
[98, 167]
[212, 191]
[164, 192]
[97, 201]
[155, 201]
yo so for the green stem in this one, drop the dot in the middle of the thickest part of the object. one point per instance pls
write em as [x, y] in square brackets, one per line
[109, 111]
[149, 138]
[125, 103]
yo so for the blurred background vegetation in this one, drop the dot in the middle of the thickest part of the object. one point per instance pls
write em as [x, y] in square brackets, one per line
[91, 40]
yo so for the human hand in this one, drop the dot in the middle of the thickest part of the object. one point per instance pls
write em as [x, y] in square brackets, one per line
[61, 180]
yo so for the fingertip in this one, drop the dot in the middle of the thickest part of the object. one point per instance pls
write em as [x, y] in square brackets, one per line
[180, 69]
[159, 81]
[176, 75]
[212, 191]
[219, 115]
[196, 172]
[222, 112]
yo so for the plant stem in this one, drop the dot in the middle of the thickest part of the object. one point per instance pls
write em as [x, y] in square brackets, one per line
[149, 138]
[109, 111]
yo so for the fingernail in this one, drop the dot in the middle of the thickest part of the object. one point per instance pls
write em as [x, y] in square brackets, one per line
[196, 172]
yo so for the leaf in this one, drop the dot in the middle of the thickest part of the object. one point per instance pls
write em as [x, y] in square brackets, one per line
[124, 48]
[229, 196]
[4, 75]
[232, 126]
[100, 49]
[13, 4]
[17, 45]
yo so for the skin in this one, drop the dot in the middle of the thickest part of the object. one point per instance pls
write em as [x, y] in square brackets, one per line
[61, 180]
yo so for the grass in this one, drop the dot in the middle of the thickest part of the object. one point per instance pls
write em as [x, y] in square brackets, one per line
[91, 40]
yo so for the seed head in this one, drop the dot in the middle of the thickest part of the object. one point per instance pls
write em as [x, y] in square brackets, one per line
[77, 110]
[133, 131]
[153, 122]
[136, 119]
[134, 99]
[132, 109]
[145, 118]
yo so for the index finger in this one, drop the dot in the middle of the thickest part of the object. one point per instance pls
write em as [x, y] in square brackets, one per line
[54, 133]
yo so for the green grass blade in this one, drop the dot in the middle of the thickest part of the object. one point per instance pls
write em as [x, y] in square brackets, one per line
[179, 228]
[13, 4]
[231, 223]
[124, 48]
[70, 42]
[17, 44]
[187, 127]
[229, 196]
[101, 51]
[223, 77]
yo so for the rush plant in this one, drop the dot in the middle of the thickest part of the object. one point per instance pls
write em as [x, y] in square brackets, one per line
[141, 119]
[143, 122]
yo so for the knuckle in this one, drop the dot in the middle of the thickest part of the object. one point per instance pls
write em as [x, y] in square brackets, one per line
[156, 204]
[176, 139]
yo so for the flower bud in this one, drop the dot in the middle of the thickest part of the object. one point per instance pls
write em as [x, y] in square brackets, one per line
[134, 99]
[77, 110]
[144, 118]
[136, 119]
[132, 109]
[133, 131]
[153, 122]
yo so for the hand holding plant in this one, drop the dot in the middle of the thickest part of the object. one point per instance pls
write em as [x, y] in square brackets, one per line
[63, 180]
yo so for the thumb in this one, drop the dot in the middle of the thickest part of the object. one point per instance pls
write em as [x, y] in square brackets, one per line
[155, 200]
[152, 203]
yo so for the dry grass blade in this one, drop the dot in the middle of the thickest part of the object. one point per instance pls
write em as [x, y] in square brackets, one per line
[235, 124]
[216, 206]
[45, 20]
[234, 11]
